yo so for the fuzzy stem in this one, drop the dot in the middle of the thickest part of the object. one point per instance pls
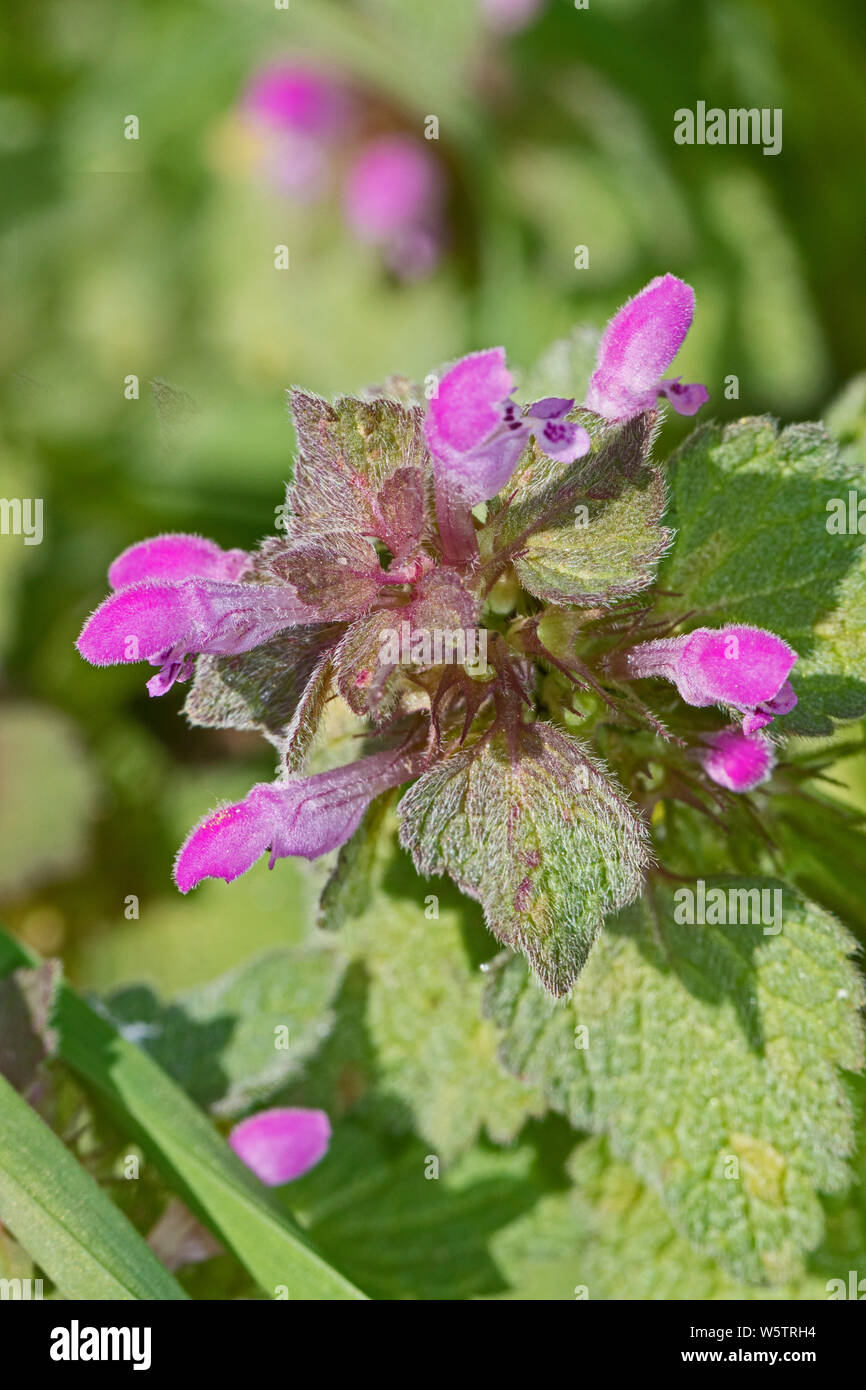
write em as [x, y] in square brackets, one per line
[657, 658]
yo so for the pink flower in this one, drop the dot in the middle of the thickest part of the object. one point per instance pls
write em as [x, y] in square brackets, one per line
[394, 184]
[301, 111]
[742, 667]
[175, 557]
[281, 1145]
[299, 98]
[639, 344]
[393, 198]
[305, 816]
[476, 433]
[737, 760]
[178, 596]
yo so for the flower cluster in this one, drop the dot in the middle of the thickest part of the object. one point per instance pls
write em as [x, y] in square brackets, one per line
[458, 514]
[315, 130]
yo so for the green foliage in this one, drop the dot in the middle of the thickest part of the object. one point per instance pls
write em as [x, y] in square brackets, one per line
[607, 1236]
[750, 506]
[823, 851]
[156, 258]
[539, 834]
[64, 1219]
[410, 1047]
[264, 689]
[710, 1059]
[432, 1228]
[178, 1138]
[845, 418]
[224, 1042]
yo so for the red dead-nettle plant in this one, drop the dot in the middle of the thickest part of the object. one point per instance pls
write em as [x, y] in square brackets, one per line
[532, 776]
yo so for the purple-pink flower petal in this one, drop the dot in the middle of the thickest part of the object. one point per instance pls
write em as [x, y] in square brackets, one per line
[736, 760]
[138, 623]
[468, 405]
[282, 1144]
[161, 620]
[638, 346]
[306, 816]
[475, 447]
[742, 666]
[476, 433]
[782, 702]
[550, 408]
[562, 440]
[229, 840]
[171, 671]
[755, 719]
[175, 557]
[686, 398]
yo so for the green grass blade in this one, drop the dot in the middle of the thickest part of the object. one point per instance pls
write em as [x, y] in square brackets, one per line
[192, 1156]
[64, 1220]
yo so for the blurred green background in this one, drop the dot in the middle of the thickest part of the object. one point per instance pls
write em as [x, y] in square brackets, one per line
[155, 258]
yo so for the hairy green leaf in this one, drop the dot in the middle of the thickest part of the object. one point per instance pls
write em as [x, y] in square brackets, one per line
[410, 1047]
[608, 1237]
[276, 687]
[362, 467]
[709, 1055]
[587, 532]
[539, 834]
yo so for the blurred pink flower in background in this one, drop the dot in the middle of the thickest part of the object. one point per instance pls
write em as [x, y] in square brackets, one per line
[299, 111]
[301, 98]
[393, 198]
[508, 16]
[313, 131]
